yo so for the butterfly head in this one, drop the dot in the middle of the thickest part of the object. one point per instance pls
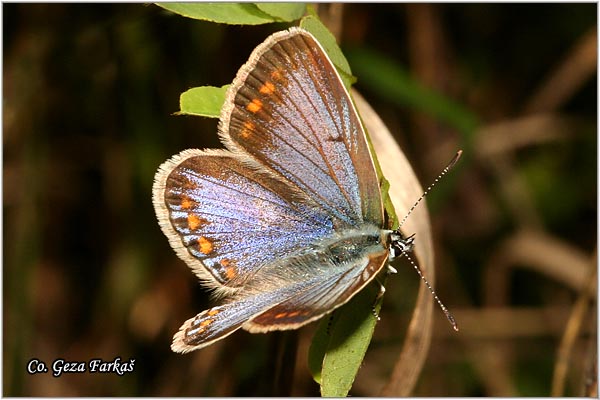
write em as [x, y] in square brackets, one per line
[400, 244]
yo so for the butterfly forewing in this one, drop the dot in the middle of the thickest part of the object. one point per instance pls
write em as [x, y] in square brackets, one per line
[290, 111]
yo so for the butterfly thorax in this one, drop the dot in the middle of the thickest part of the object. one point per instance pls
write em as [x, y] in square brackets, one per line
[346, 246]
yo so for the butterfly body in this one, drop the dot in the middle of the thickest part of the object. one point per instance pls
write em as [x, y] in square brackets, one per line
[285, 224]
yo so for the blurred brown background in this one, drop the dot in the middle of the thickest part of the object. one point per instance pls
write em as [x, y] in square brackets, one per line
[88, 102]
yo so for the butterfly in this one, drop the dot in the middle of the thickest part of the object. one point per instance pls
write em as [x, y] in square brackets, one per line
[287, 222]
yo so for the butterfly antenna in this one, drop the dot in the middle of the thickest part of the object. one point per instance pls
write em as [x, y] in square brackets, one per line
[435, 296]
[437, 299]
[444, 172]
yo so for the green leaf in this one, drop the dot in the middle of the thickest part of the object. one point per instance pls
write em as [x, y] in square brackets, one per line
[283, 11]
[341, 343]
[224, 13]
[327, 40]
[318, 347]
[205, 101]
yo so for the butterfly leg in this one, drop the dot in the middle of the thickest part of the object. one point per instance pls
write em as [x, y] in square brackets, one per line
[390, 270]
[380, 294]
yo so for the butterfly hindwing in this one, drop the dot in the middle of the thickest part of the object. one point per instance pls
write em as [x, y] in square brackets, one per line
[323, 298]
[286, 295]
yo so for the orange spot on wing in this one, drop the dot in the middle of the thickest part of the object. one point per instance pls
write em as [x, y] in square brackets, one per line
[277, 75]
[213, 312]
[193, 221]
[201, 327]
[230, 271]
[247, 129]
[206, 245]
[186, 203]
[267, 88]
[254, 106]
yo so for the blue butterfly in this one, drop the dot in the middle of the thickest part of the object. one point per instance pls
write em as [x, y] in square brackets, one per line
[287, 223]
